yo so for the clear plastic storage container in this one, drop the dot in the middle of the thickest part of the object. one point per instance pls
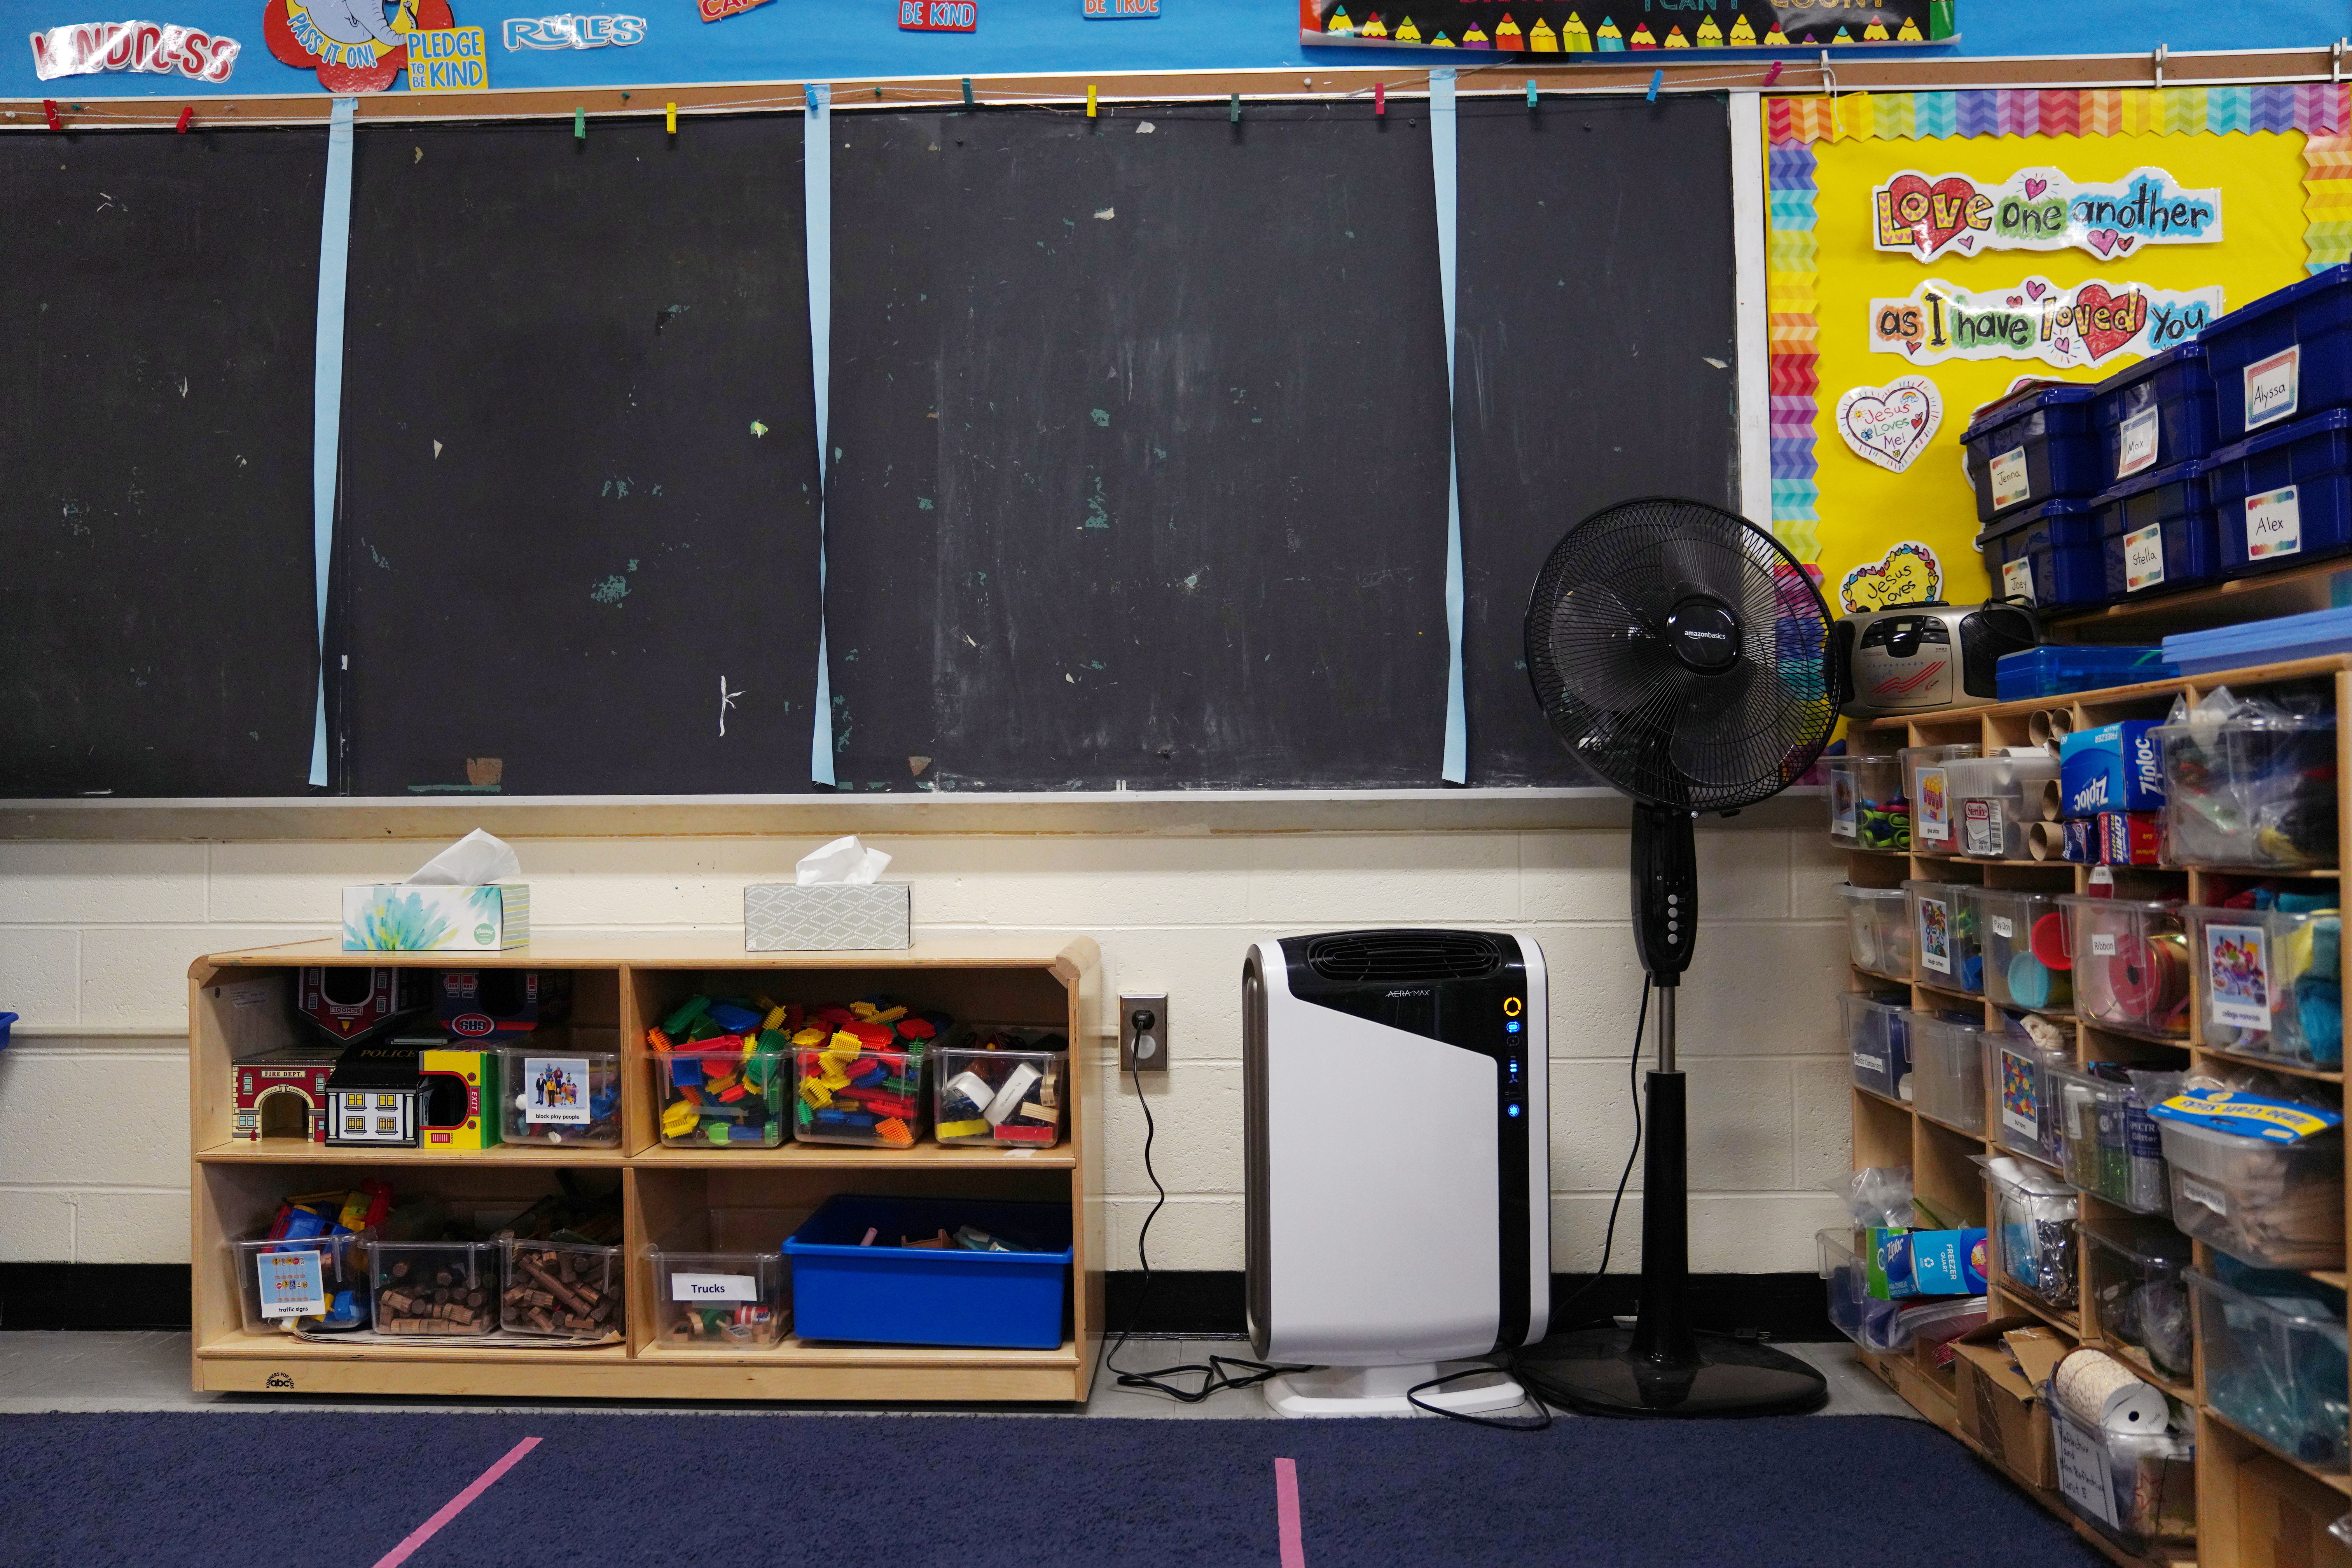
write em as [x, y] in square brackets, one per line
[315, 1286]
[2131, 964]
[2277, 1205]
[1927, 786]
[2250, 792]
[1948, 1077]
[2034, 1247]
[2133, 1268]
[1878, 931]
[2150, 1478]
[1000, 1098]
[2269, 982]
[719, 1279]
[873, 1097]
[1867, 808]
[1877, 1325]
[1944, 942]
[2273, 1347]
[1878, 1040]
[563, 1289]
[2112, 1147]
[1994, 800]
[2028, 960]
[556, 1095]
[2021, 1096]
[439, 1288]
[722, 1099]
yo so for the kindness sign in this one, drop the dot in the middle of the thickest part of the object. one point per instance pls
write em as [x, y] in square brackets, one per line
[2039, 209]
[2036, 320]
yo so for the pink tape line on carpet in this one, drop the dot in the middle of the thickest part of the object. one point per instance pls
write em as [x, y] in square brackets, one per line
[1285, 1513]
[456, 1505]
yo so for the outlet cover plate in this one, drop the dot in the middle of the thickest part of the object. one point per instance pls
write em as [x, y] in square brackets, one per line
[1156, 1005]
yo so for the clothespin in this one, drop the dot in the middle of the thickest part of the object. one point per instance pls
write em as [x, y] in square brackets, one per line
[187, 112]
[669, 118]
[2159, 68]
[1656, 78]
[2336, 70]
[1380, 100]
[1531, 92]
[49, 107]
[1233, 115]
[1774, 74]
[967, 92]
[1090, 100]
[580, 125]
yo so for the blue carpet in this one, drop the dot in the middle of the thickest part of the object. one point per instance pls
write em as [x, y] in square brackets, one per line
[252, 1490]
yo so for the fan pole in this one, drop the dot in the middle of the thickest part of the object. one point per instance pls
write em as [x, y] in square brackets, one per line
[1662, 1332]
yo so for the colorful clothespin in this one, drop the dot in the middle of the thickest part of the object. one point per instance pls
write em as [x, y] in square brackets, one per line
[580, 125]
[1380, 100]
[967, 92]
[669, 118]
[1531, 92]
[1234, 114]
[187, 112]
[49, 107]
[1656, 78]
[1090, 100]
[1774, 74]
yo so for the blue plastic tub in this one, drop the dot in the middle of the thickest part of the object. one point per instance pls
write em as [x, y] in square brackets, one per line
[2057, 543]
[8, 1020]
[2033, 447]
[2157, 531]
[2056, 670]
[2165, 403]
[888, 1294]
[2284, 495]
[2296, 344]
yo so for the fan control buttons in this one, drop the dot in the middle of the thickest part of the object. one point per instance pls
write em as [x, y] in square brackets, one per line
[1511, 1005]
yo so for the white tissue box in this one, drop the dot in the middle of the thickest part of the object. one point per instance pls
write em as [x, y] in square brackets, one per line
[826, 917]
[398, 917]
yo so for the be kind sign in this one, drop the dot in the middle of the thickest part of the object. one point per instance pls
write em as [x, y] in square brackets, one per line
[2039, 209]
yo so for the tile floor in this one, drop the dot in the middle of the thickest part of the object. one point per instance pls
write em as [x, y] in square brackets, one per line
[87, 1372]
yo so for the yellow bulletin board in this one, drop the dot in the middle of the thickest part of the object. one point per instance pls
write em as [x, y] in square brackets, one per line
[2277, 157]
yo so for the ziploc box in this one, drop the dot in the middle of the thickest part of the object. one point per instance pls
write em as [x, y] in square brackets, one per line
[1902, 1264]
[399, 917]
[2116, 767]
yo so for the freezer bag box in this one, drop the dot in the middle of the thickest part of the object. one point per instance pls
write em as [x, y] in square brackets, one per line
[2116, 767]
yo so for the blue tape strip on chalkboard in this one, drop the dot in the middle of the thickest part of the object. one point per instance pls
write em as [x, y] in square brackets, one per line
[1442, 150]
[817, 168]
[327, 392]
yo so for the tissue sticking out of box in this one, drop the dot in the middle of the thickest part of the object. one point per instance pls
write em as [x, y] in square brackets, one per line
[478, 858]
[845, 861]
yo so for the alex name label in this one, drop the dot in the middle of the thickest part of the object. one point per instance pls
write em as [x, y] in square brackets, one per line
[2273, 524]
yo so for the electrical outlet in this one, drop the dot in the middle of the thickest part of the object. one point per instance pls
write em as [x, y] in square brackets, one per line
[1144, 1034]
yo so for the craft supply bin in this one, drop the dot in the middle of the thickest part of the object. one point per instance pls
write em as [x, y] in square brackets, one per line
[2032, 1228]
[2111, 1147]
[2165, 404]
[2028, 962]
[2274, 1349]
[2158, 532]
[985, 1099]
[1878, 931]
[2049, 551]
[1877, 1325]
[2284, 496]
[2131, 964]
[2280, 1206]
[342, 1281]
[2269, 983]
[1994, 800]
[1877, 1038]
[1943, 936]
[719, 1099]
[559, 1097]
[720, 1278]
[436, 1288]
[1867, 806]
[2150, 1495]
[2134, 1270]
[874, 1099]
[2313, 319]
[1926, 784]
[2029, 448]
[903, 1295]
[2021, 1096]
[2250, 792]
[573, 1290]
[1947, 1079]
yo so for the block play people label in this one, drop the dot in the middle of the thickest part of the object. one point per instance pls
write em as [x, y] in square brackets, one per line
[1583, 28]
[713, 1287]
[2273, 524]
[938, 15]
[157, 48]
[2039, 209]
[1891, 425]
[2034, 318]
[2144, 558]
[2273, 387]
[554, 1089]
[292, 1283]
[2237, 976]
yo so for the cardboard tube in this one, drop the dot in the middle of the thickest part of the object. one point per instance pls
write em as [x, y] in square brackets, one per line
[2046, 840]
[2061, 725]
[2053, 803]
[2037, 728]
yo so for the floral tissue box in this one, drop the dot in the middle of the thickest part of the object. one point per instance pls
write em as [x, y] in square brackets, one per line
[400, 917]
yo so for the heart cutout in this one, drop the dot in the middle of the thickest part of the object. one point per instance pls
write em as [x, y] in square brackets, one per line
[2103, 240]
[2016, 298]
[2104, 321]
[1967, 242]
[1908, 574]
[2123, 242]
[1892, 425]
[2033, 188]
[1946, 206]
[2036, 288]
[2065, 345]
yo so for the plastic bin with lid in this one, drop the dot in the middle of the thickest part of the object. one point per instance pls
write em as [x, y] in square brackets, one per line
[558, 1094]
[2158, 532]
[1996, 798]
[1943, 936]
[2021, 1096]
[2133, 1268]
[1867, 808]
[2049, 553]
[724, 1099]
[2158, 412]
[872, 1097]
[2137, 1488]
[2269, 983]
[2031, 1230]
[2285, 355]
[2278, 1205]
[2131, 964]
[2028, 449]
[720, 1281]
[2273, 1350]
[2054, 670]
[1890, 1326]
[2258, 791]
[574, 1290]
[1877, 1038]
[2027, 961]
[1948, 1070]
[2111, 1148]
[1878, 931]
[1002, 1279]
[1002, 1096]
[434, 1287]
[2284, 496]
[318, 1285]
[1926, 784]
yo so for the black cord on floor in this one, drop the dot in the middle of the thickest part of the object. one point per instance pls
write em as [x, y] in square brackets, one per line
[1214, 1377]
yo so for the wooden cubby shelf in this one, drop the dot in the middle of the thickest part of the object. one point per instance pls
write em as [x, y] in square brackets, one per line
[619, 987]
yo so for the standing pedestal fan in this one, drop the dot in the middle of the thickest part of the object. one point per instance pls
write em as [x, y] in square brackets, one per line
[1681, 653]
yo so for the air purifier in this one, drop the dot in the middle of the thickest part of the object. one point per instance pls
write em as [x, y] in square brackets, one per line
[1398, 1167]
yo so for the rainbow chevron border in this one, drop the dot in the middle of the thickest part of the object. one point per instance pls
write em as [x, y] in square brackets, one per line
[2321, 111]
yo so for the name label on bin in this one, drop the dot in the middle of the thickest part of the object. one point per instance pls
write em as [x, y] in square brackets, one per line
[2083, 1474]
[2273, 387]
[2144, 558]
[555, 1090]
[2005, 928]
[2011, 482]
[293, 1285]
[2140, 436]
[713, 1287]
[2273, 524]
[2237, 976]
[2017, 580]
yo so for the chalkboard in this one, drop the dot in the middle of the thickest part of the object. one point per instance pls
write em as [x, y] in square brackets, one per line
[158, 632]
[1142, 436]
[1596, 360]
[578, 532]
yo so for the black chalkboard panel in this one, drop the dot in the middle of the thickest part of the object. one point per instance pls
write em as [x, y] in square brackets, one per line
[158, 632]
[1141, 441]
[1596, 360]
[578, 530]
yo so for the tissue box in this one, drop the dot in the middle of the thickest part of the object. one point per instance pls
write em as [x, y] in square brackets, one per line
[2116, 767]
[825, 917]
[399, 918]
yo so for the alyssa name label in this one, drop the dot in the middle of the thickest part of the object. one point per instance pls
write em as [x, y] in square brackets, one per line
[2039, 209]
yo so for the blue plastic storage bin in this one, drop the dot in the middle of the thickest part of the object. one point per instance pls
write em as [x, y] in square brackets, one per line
[2056, 670]
[2157, 531]
[2058, 541]
[2029, 448]
[2311, 321]
[888, 1294]
[2166, 401]
[2284, 496]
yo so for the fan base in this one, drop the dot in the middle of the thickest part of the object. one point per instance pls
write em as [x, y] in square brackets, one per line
[1384, 1389]
[1595, 1373]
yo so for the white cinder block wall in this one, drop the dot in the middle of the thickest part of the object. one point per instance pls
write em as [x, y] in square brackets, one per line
[96, 938]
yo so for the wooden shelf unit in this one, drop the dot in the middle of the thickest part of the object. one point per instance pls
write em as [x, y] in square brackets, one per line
[2244, 1487]
[622, 985]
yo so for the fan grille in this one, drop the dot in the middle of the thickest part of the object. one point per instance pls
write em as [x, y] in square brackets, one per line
[1403, 957]
[1617, 696]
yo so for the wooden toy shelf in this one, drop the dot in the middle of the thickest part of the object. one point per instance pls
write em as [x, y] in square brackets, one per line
[2245, 1488]
[619, 985]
